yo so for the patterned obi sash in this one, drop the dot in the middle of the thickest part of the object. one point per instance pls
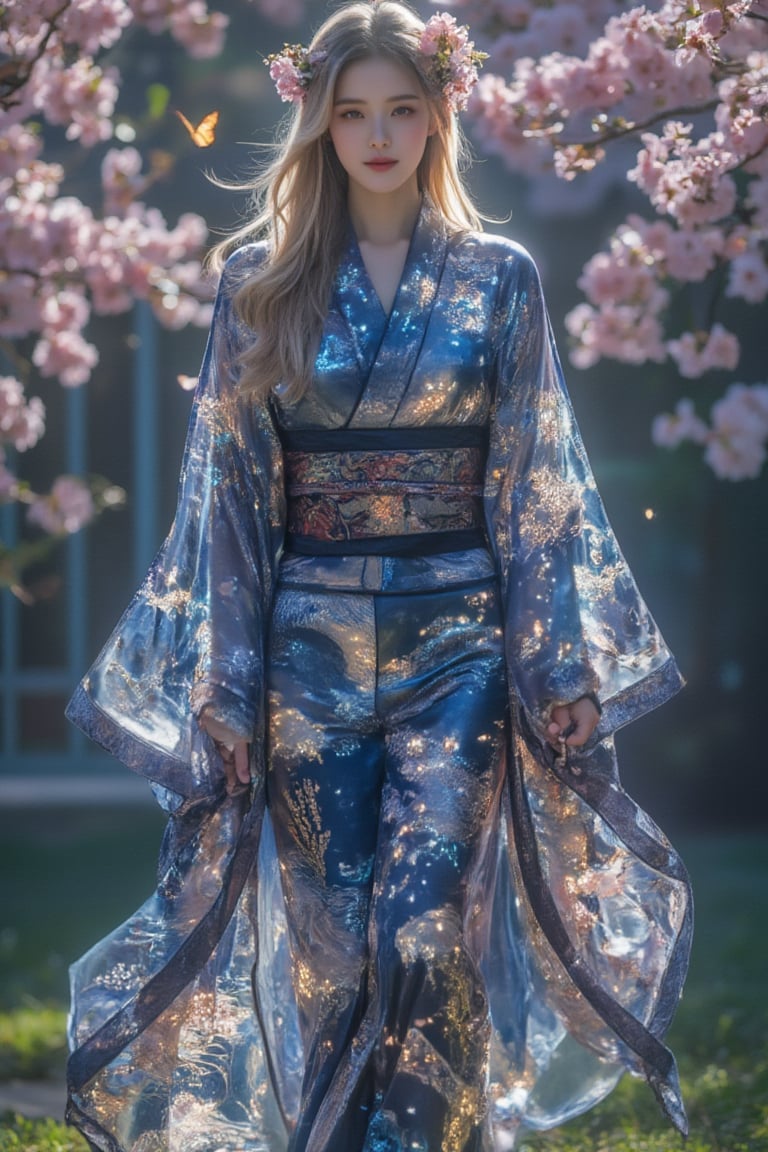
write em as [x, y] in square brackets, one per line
[384, 491]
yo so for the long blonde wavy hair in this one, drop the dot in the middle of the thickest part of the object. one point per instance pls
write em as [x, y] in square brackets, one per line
[300, 199]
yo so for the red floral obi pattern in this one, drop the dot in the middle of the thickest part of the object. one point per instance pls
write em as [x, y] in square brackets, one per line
[366, 499]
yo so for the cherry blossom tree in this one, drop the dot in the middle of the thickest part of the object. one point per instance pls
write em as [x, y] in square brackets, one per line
[62, 260]
[568, 85]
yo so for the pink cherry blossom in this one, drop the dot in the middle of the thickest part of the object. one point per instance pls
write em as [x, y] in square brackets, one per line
[200, 31]
[560, 29]
[19, 307]
[94, 24]
[689, 181]
[705, 176]
[60, 260]
[734, 441]
[81, 96]
[441, 25]
[617, 277]
[623, 332]
[287, 79]
[64, 309]
[698, 352]
[692, 255]
[736, 449]
[671, 429]
[67, 508]
[451, 58]
[748, 276]
[500, 129]
[744, 408]
[19, 149]
[735, 457]
[65, 355]
[22, 421]
[121, 177]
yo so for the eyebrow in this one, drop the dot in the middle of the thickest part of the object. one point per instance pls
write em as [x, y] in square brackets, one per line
[390, 99]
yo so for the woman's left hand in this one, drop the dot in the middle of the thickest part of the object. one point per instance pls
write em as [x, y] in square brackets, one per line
[573, 724]
[232, 750]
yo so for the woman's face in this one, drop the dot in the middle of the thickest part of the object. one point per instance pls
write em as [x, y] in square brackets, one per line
[379, 124]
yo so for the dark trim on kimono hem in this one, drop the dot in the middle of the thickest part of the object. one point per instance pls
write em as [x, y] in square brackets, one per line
[620, 812]
[658, 1061]
[622, 708]
[88, 1128]
[166, 770]
[162, 989]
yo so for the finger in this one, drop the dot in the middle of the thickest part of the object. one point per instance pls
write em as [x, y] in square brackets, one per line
[242, 765]
[579, 735]
[584, 725]
[553, 735]
[561, 716]
[230, 776]
[227, 756]
[560, 726]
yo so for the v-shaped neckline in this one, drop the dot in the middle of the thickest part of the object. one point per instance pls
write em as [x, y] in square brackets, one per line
[357, 253]
[387, 346]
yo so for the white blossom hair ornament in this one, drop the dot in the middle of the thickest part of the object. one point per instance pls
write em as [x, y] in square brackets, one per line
[293, 70]
[451, 58]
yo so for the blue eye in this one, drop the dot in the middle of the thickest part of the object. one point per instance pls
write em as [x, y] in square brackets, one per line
[404, 110]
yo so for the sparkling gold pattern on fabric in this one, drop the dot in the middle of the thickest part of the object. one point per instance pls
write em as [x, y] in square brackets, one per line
[308, 823]
[465, 1102]
[384, 763]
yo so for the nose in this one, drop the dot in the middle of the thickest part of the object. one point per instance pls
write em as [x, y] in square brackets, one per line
[379, 136]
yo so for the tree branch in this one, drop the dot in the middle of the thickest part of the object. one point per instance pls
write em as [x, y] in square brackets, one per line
[631, 129]
[20, 364]
[21, 71]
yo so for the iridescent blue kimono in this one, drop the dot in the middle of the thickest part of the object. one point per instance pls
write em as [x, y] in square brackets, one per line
[446, 425]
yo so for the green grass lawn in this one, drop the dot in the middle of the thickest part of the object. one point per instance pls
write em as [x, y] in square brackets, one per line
[67, 877]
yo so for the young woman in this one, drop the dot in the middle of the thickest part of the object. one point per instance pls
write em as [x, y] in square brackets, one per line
[373, 675]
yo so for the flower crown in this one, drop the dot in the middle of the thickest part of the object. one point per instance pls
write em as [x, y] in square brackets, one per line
[450, 63]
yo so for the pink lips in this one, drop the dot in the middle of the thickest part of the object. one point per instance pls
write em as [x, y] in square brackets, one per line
[380, 165]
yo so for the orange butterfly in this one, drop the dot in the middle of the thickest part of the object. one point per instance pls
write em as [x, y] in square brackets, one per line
[205, 133]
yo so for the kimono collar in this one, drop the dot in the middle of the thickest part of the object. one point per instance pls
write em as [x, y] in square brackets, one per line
[387, 347]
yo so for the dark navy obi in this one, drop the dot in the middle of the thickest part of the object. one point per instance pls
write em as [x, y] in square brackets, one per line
[384, 491]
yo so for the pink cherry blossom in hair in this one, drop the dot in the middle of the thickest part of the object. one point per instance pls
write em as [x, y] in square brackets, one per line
[451, 58]
[293, 70]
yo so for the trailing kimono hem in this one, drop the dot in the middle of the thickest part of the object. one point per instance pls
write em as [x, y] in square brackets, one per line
[188, 1022]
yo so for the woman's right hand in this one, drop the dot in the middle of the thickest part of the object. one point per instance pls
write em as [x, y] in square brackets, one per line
[233, 750]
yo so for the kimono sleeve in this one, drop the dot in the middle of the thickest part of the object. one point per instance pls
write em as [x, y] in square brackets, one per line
[575, 621]
[193, 636]
[586, 861]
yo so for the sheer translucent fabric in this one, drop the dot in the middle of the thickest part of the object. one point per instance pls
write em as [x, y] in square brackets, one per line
[185, 1024]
